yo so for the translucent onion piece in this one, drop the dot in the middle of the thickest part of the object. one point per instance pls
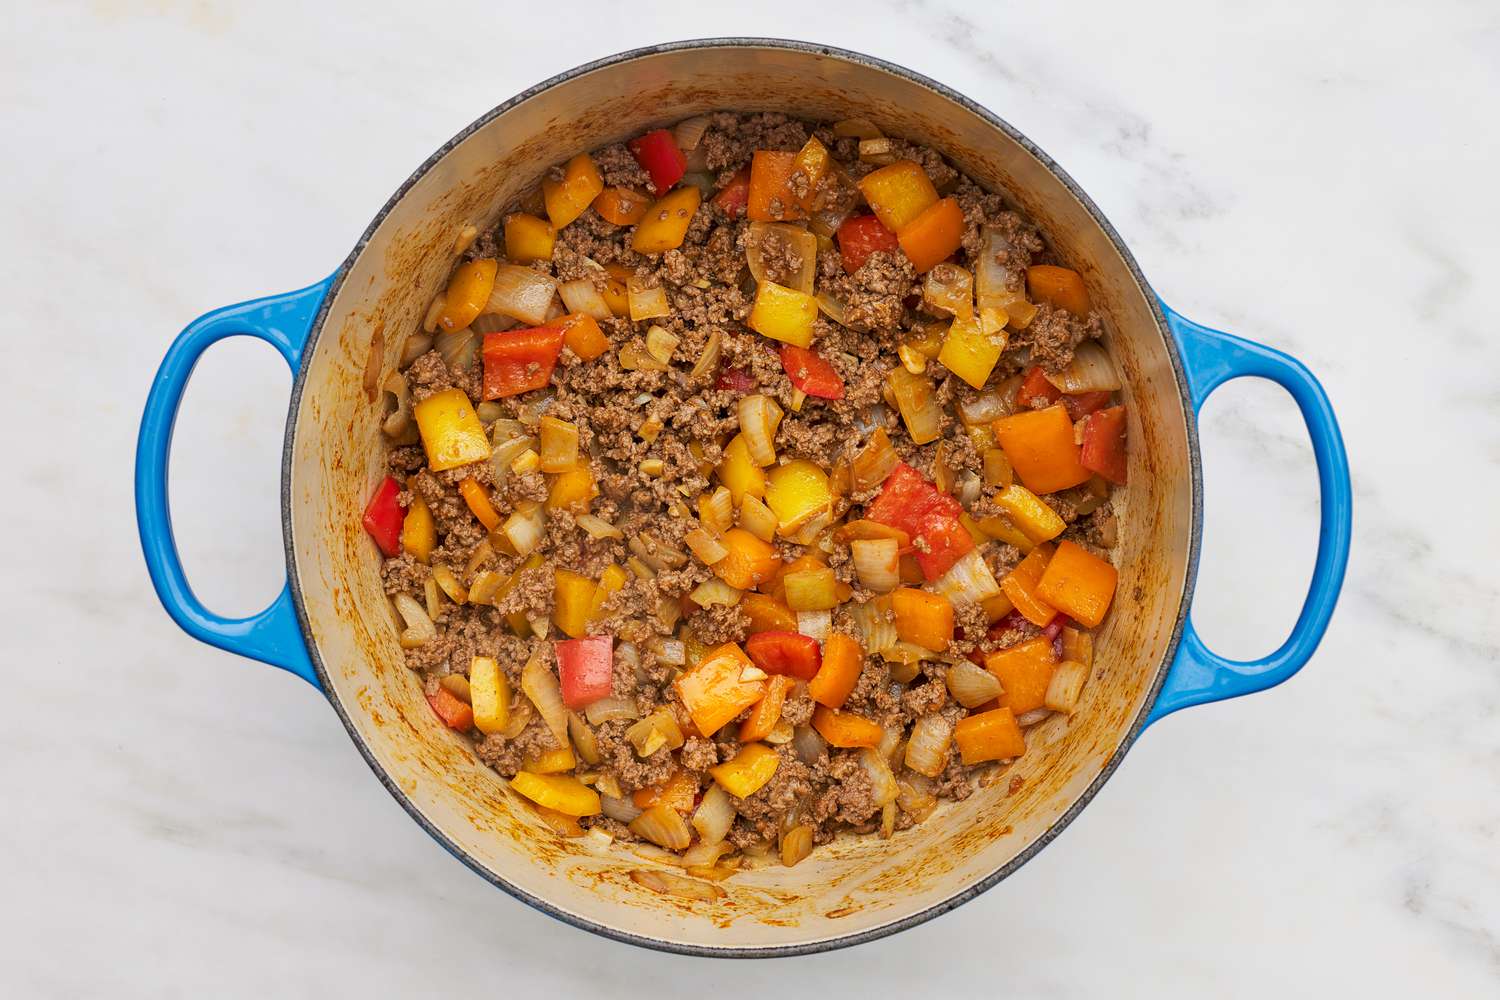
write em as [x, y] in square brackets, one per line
[597, 842]
[399, 418]
[703, 854]
[504, 454]
[1089, 371]
[875, 461]
[949, 289]
[998, 286]
[815, 623]
[585, 743]
[715, 815]
[635, 357]
[1032, 717]
[521, 714]
[559, 444]
[704, 182]
[646, 303]
[530, 412]
[876, 629]
[1065, 687]
[919, 406]
[663, 826]
[416, 345]
[660, 343]
[504, 429]
[877, 561]
[670, 884]
[483, 553]
[782, 253]
[780, 733]
[526, 528]
[521, 293]
[689, 132]
[833, 308]
[581, 296]
[983, 407]
[597, 527]
[450, 584]
[888, 821]
[492, 323]
[708, 362]
[718, 511]
[619, 808]
[759, 417]
[715, 591]
[656, 731]
[705, 546]
[969, 489]
[540, 685]
[796, 845]
[757, 518]
[485, 587]
[419, 627]
[855, 128]
[916, 796]
[430, 319]
[971, 685]
[607, 784]
[879, 152]
[882, 781]
[672, 652]
[457, 347]
[968, 581]
[610, 709]
[657, 554]
[927, 749]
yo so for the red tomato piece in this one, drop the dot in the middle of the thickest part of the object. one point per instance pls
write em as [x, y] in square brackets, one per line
[810, 373]
[1036, 392]
[383, 516]
[518, 361]
[586, 669]
[861, 236]
[947, 541]
[736, 194]
[909, 502]
[658, 155]
[789, 653]
[1084, 403]
[736, 380]
[1103, 448]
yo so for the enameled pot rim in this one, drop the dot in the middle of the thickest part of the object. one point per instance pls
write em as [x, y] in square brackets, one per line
[958, 898]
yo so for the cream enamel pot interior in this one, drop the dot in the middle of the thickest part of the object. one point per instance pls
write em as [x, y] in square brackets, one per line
[333, 625]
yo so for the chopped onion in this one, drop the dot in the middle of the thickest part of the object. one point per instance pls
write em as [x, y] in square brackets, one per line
[399, 418]
[718, 511]
[1032, 717]
[703, 854]
[597, 842]
[916, 797]
[526, 528]
[997, 287]
[1089, 371]
[505, 428]
[505, 453]
[759, 417]
[888, 821]
[663, 826]
[585, 742]
[968, 581]
[457, 347]
[521, 293]
[540, 685]
[1065, 687]
[450, 584]
[708, 362]
[657, 731]
[559, 444]
[419, 627]
[646, 303]
[796, 844]
[660, 343]
[597, 527]
[833, 308]
[581, 296]
[903, 671]
[879, 152]
[607, 784]
[537, 403]
[483, 553]
[969, 490]
[715, 815]
[815, 623]
[983, 407]
[706, 547]
[809, 744]
[874, 462]
[971, 685]
[855, 128]
[416, 345]
[878, 563]
[486, 586]
[715, 591]
[636, 357]
[927, 749]
[882, 781]
[492, 323]
[689, 132]
[949, 289]
[609, 709]
[672, 652]
[757, 518]
[668, 883]
[919, 406]
[876, 628]
[772, 248]
[618, 808]
[434, 310]
[434, 598]
[780, 733]
[656, 554]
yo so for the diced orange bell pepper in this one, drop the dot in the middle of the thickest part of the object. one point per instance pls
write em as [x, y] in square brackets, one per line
[1019, 585]
[455, 713]
[749, 562]
[835, 680]
[767, 614]
[1078, 583]
[844, 729]
[568, 198]
[622, 206]
[1061, 287]
[898, 193]
[992, 735]
[571, 490]
[1024, 671]
[468, 290]
[767, 711]
[770, 197]
[923, 618]
[479, 503]
[450, 430]
[679, 792]
[561, 792]
[573, 596]
[933, 236]
[552, 761]
[582, 336]
[784, 653]
[418, 530]
[1041, 449]
[666, 222]
[713, 692]
[747, 771]
[528, 238]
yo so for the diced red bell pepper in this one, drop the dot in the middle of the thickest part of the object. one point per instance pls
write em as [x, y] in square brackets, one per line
[1084, 403]
[383, 516]
[518, 361]
[736, 380]
[860, 236]
[453, 710]
[1036, 392]
[810, 373]
[1103, 448]
[658, 155]
[735, 195]
[586, 668]
[909, 502]
[790, 653]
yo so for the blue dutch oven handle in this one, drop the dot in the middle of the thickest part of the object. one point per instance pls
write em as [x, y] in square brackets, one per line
[273, 635]
[1198, 674]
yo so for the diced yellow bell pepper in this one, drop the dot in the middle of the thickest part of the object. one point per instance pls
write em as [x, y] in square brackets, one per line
[450, 429]
[797, 492]
[528, 238]
[1000, 528]
[815, 589]
[571, 490]
[468, 290]
[898, 193]
[739, 473]
[1030, 513]
[747, 771]
[573, 595]
[552, 761]
[418, 531]
[997, 607]
[666, 223]
[612, 579]
[567, 199]
[489, 694]
[783, 314]
[811, 162]
[565, 794]
[969, 352]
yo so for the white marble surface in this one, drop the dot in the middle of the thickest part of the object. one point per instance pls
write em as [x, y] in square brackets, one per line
[1320, 176]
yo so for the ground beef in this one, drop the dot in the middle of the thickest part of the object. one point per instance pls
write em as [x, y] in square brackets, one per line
[509, 756]
[718, 624]
[618, 756]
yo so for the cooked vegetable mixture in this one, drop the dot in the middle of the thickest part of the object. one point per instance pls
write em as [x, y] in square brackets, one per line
[749, 483]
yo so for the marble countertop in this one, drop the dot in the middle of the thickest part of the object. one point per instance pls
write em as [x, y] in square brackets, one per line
[1318, 176]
